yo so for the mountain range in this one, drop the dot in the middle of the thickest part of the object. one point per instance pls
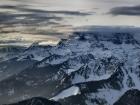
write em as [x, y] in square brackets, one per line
[88, 68]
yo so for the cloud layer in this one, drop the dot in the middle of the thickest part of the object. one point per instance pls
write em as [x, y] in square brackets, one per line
[126, 10]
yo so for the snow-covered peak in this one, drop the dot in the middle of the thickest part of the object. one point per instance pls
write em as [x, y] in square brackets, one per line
[79, 43]
[98, 44]
[88, 56]
[94, 65]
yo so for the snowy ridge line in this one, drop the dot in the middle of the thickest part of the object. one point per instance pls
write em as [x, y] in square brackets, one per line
[65, 92]
[96, 36]
[111, 64]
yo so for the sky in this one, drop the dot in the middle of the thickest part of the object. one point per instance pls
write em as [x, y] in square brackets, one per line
[27, 21]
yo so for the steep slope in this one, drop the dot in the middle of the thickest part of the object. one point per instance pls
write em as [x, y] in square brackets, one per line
[10, 67]
[8, 52]
[8, 61]
[95, 68]
[15, 59]
[131, 97]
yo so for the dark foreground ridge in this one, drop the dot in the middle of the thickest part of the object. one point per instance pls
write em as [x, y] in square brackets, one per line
[36, 101]
[131, 97]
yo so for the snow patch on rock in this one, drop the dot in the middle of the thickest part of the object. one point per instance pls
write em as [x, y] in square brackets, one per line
[74, 90]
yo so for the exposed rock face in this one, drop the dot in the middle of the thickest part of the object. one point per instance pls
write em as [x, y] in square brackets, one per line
[131, 97]
[95, 68]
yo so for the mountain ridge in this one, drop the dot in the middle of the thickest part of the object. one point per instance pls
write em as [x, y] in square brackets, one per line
[102, 67]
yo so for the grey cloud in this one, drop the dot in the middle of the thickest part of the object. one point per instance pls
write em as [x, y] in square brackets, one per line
[24, 8]
[25, 16]
[126, 10]
[28, 17]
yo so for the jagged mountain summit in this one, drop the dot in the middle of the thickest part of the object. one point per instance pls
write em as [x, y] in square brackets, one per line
[93, 67]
